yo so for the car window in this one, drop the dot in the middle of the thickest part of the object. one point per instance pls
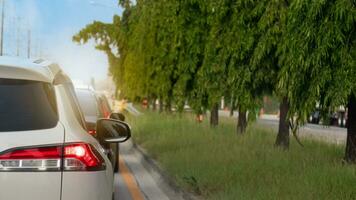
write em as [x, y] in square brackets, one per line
[27, 105]
[87, 102]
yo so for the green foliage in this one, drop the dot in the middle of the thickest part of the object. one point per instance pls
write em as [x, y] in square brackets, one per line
[197, 51]
[319, 51]
[110, 39]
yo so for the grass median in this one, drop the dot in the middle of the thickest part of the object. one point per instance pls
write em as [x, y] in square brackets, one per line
[217, 164]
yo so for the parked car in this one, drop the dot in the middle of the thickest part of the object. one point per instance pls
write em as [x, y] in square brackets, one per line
[106, 110]
[95, 108]
[45, 151]
[90, 105]
[336, 118]
[315, 117]
[104, 105]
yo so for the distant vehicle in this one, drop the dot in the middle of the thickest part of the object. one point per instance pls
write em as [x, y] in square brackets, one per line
[105, 108]
[104, 105]
[337, 118]
[89, 103]
[95, 107]
[45, 151]
[315, 117]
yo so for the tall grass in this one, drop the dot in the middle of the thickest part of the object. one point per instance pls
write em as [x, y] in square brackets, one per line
[217, 164]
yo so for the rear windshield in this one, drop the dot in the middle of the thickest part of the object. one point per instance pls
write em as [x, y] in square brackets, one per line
[27, 105]
[87, 102]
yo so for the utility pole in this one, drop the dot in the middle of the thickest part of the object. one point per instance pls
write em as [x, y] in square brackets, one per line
[2, 28]
[18, 42]
[18, 37]
[29, 43]
[97, 4]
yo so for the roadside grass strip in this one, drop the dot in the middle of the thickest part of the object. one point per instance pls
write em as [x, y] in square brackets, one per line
[217, 164]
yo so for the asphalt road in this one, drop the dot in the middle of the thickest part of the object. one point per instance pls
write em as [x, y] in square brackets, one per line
[319, 132]
[134, 181]
[121, 189]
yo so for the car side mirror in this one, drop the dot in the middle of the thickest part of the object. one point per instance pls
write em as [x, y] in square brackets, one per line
[117, 116]
[113, 131]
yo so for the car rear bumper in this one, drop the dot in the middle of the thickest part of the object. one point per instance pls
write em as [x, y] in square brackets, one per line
[96, 185]
[30, 185]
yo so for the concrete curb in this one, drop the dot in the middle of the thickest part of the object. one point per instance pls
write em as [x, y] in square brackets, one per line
[163, 180]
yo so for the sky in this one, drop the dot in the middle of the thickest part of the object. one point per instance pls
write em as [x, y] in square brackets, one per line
[52, 24]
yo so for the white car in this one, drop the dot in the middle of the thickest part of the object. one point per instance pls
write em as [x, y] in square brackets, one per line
[45, 150]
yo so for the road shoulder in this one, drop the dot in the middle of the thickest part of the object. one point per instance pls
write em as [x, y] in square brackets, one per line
[152, 180]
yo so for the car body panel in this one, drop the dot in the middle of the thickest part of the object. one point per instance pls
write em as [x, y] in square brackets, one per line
[9, 140]
[30, 185]
[92, 186]
[14, 68]
[91, 183]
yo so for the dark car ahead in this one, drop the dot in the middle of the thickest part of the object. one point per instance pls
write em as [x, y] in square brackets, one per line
[90, 106]
[105, 108]
[93, 110]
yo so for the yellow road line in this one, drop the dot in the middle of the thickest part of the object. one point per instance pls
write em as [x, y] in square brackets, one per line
[130, 181]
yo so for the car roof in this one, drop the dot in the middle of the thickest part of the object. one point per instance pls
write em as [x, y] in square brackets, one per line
[82, 86]
[27, 69]
[86, 91]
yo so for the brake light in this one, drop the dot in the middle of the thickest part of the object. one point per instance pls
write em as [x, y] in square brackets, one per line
[71, 157]
[82, 157]
[107, 115]
[92, 132]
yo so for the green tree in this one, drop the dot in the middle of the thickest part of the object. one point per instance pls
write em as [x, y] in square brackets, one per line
[229, 47]
[109, 38]
[320, 49]
[266, 56]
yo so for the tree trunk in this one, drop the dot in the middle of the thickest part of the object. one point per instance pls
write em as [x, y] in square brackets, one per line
[231, 112]
[350, 152]
[232, 106]
[168, 106]
[283, 131]
[214, 115]
[148, 103]
[160, 105]
[154, 106]
[242, 122]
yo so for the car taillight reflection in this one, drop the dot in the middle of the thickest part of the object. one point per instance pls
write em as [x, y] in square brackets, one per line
[71, 157]
[105, 111]
[92, 132]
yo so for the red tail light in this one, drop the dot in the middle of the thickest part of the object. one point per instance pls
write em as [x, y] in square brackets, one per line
[71, 157]
[92, 132]
[107, 115]
[31, 159]
[82, 157]
[105, 111]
